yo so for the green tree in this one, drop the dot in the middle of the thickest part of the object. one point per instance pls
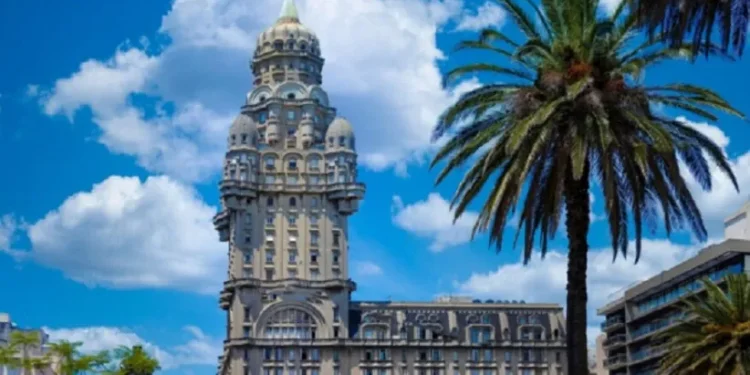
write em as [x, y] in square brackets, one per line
[135, 361]
[572, 108]
[676, 19]
[714, 336]
[8, 357]
[24, 342]
[69, 360]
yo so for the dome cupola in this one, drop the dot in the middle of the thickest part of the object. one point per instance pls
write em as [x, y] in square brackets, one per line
[243, 132]
[340, 134]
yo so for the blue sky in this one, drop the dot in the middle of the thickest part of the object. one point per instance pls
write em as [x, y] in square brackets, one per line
[113, 117]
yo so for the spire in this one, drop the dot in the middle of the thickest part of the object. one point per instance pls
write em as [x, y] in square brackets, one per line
[288, 12]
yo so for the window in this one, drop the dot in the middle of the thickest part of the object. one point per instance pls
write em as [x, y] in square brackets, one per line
[335, 355]
[508, 356]
[290, 324]
[292, 354]
[314, 238]
[269, 220]
[270, 179]
[342, 178]
[336, 238]
[314, 219]
[292, 274]
[314, 180]
[314, 257]
[247, 314]
[335, 257]
[474, 355]
[342, 141]
[292, 163]
[292, 220]
[485, 319]
[315, 274]
[479, 335]
[269, 256]
[290, 115]
[314, 163]
[374, 332]
[244, 139]
[488, 355]
[248, 218]
[247, 239]
[269, 202]
[314, 202]
[270, 161]
[291, 96]
[246, 332]
[262, 117]
[293, 256]
[292, 202]
[558, 357]
[248, 258]
[336, 316]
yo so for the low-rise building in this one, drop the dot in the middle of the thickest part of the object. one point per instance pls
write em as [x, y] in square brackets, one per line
[7, 327]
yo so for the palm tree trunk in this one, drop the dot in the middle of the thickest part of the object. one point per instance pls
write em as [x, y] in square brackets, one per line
[577, 207]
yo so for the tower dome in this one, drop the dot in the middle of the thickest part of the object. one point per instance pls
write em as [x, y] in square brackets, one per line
[243, 131]
[288, 33]
[340, 134]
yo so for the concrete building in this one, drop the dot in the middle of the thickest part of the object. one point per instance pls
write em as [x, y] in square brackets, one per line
[598, 367]
[651, 307]
[289, 185]
[7, 327]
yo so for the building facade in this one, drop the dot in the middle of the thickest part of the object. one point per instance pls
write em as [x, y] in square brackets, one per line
[289, 186]
[632, 321]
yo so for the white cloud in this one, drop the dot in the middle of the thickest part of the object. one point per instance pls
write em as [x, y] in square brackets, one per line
[199, 349]
[367, 268]
[489, 14]
[609, 6]
[545, 280]
[723, 199]
[125, 233]
[32, 91]
[391, 91]
[8, 227]
[433, 219]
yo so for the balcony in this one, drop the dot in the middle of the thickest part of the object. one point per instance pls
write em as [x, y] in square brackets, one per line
[613, 323]
[617, 361]
[648, 353]
[615, 341]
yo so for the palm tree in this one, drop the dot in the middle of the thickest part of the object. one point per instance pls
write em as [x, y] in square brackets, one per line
[70, 361]
[8, 357]
[572, 109]
[675, 19]
[25, 342]
[135, 361]
[714, 336]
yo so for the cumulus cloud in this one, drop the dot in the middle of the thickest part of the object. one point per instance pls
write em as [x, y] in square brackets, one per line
[545, 280]
[488, 14]
[199, 349]
[723, 199]
[433, 219]
[126, 233]
[390, 91]
[367, 268]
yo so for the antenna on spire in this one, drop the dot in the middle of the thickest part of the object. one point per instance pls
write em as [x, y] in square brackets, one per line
[289, 12]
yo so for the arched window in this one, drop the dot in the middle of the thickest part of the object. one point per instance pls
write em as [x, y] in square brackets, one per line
[302, 46]
[291, 96]
[290, 324]
[278, 45]
[292, 202]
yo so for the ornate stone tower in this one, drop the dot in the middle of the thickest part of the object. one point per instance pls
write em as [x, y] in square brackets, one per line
[288, 188]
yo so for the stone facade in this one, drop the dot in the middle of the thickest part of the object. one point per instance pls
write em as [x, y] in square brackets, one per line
[288, 188]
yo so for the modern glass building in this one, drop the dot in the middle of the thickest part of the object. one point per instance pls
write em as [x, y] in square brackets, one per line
[648, 308]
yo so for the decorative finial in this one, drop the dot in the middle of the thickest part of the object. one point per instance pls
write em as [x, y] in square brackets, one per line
[288, 12]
